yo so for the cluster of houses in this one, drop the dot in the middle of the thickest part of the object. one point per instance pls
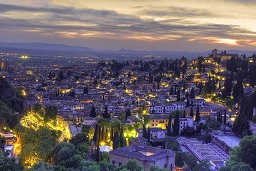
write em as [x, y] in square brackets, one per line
[74, 90]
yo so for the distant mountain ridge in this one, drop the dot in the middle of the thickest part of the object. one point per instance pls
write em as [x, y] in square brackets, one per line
[45, 46]
[116, 53]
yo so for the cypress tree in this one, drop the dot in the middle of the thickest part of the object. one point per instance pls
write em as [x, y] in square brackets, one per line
[227, 88]
[116, 140]
[50, 75]
[176, 125]
[186, 95]
[85, 90]
[221, 118]
[200, 87]
[148, 134]
[144, 133]
[178, 95]
[169, 126]
[225, 117]
[93, 112]
[191, 112]
[184, 87]
[61, 75]
[122, 139]
[238, 90]
[98, 144]
[218, 116]
[106, 114]
[127, 113]
[187, 103]
[192, 94]
[197, 114]
[171, 91]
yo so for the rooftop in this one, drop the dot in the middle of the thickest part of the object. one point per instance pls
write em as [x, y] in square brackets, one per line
[230, 140]
[142, 152]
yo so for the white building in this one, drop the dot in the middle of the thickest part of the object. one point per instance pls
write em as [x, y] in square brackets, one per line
[167, 108]
[9, 150]
[90, 121]
[196, 102]
[157, 134]
[185, 122]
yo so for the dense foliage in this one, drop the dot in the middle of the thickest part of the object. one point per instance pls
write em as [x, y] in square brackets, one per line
[243, 157]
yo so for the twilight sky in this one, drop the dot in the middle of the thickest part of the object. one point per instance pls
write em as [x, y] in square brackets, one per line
[192, 25]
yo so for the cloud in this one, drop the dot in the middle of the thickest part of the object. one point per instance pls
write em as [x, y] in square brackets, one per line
[178, 12]
[144, 22]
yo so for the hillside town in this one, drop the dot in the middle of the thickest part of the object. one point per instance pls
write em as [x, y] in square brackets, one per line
[155, 115]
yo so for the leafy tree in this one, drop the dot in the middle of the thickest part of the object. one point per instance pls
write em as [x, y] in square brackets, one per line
[79, 139]
[7, 117]
[188, 132]
[38, 108]
[133, 165]
[172, 143]
[42, 166]
[191, 161]
[106, 166]
[82, 150]
[203, 166]
[7, 164]
[6, 90]
[88, 130]
[36, 144]
[2, 142]
[61, 152]
[155, 168]
[241, 166]
[212, 124]
[180, 158]
[17, 104]
[241, 125]
[243, 157]
[206, 138]
[247, 151]
[51, 113]
[47, 140]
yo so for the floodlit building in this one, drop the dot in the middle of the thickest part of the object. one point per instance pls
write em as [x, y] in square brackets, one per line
[145, 155]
